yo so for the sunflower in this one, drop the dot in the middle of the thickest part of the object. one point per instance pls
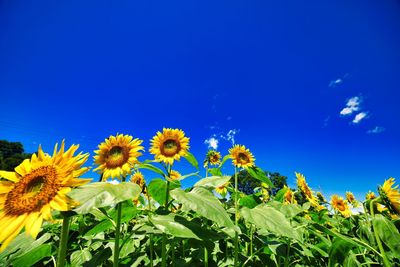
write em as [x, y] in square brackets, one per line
[321, 197]
[174, 175]
[370, 195]
[241, 156]
[264, 192]
[390, 195]
[222, 189]
[351, 199]
[305, 190]
[288, 197]
[37, 186]
[117, 155]
[339, 204]
[138, 179]
[213, 157]
[169, 145]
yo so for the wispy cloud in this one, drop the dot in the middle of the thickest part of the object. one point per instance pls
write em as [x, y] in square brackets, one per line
[326, 122]
[352, 105]
[376, 130]
[335, 83]
[230, 136]
[359, 117]
[212, 142]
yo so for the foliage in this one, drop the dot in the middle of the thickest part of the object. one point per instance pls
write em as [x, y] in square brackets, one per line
[11, 155]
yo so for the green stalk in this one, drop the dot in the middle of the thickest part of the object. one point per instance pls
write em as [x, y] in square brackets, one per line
[236, 221]
[287, 254]
[251, 241]
[205, 256]
[164, 251]
[151, 250]
[62, 250]
[378, 240]
[118, 232]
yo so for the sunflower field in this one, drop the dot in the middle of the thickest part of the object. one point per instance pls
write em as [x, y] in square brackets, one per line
[51, 215]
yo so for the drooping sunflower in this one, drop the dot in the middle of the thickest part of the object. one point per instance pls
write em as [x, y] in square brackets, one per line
[390, 195]
[321, 198]
[305, 190]
[117, 155]
[213, 158]
[222, 189]
[370, 195]
[138, 179]
[38, 186]
[169, 145]
[351, 199]
[174, 175]
[289, 196]
[339, 204]
[241, 156]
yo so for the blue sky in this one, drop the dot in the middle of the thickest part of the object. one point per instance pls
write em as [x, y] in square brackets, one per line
[279, 72]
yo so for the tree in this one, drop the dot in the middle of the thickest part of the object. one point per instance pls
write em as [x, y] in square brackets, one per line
[11, 155]
[247, 184]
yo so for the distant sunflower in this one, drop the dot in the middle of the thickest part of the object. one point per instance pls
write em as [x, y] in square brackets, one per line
[289, 196]
[340, 205]
[305, 190]
[138, 179]
[117, 155]
[350, 197]
[241, 156]
[321, 197]
[213, 158]
[370, 195]
[390, 195]
[222, 189]
[174, 175]
[169, 145]
[37, 186]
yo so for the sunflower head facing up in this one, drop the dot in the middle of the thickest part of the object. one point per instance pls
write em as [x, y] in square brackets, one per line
[138, 178]
[241, 156]
[390, 195]
[169, 145]
[305, 189]
[212, 158]
[174, 175]
[340, 205]
[222, 189]
[36, 187]
[117, 155]
[370, 195]
[289, 198]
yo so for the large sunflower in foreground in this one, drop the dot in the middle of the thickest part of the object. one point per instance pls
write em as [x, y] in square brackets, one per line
[390, 195]
[305, 189]
[117, 155]
[169, 145]
[241, 156]
[340, 205]
[37, 186]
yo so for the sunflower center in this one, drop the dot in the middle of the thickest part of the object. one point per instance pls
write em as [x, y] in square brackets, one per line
[116, 157]
[170, 148]
[243, 158]
[33, 191]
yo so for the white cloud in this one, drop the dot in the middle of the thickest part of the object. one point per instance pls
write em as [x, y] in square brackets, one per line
[335, 83]
[352, 105]
[376, 130]
[212, 142]
[360, 116]
[230, 136]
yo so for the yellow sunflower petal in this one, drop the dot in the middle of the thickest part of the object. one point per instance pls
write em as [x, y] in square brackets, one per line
[11, 176]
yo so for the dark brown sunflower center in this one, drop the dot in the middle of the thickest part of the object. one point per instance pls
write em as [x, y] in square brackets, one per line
[243, 158]
[170, 148]
[116, 157]
[33, 191]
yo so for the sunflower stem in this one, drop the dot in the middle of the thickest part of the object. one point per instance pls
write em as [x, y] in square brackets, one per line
[205, 257]
[117, 235]
[378, 240]
[62, 250]
[236, 220]
[151, 250]
[164, 251]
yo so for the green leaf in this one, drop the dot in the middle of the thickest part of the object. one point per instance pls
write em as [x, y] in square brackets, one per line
[80, 256]
[101, 256]
[259, 174]
[224, 159]
[204, 203]
[215, 171]
[249, 201]
[388, 233]
[33, 256]
[158, 187]
[167, 224]
[338, 252]
[152, 168]
[97, 195]
[213, 181]
[268, 218]
[192, 160]
[281, 194]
